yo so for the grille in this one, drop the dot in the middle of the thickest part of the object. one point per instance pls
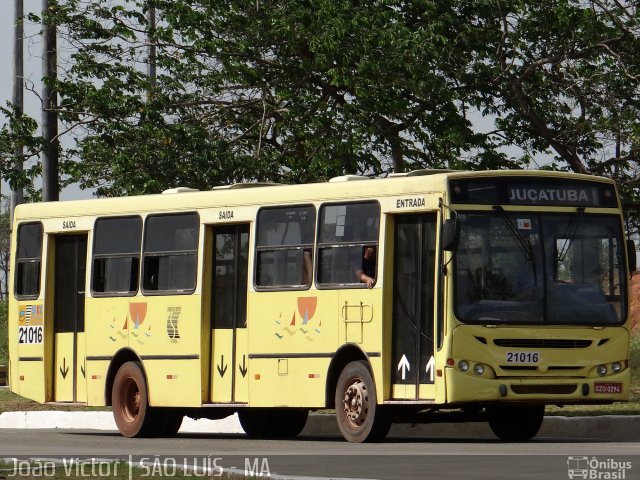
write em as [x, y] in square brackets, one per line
[544, 389]
[519, 368]
[566, 367]
[541, 343]
[525, 368]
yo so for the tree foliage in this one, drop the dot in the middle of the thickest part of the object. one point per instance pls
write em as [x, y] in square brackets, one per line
[302, 90]
[5, 254]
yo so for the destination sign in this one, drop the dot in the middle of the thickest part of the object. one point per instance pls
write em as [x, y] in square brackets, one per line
[540, 195]
[533, 191]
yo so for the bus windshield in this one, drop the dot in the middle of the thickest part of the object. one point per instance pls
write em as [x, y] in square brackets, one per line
[532, 268]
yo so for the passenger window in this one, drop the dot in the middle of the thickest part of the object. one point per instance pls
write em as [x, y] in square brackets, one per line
[284, 247]
[28, 261]
[348, 244]
[170, 253]
[116, 256]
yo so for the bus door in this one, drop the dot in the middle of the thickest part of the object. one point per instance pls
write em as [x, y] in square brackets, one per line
[412, 368]
[229, 356]
[69, 374]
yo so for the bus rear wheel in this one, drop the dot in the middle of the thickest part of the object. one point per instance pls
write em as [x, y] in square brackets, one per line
[360, 418]
[273, 422]
[514, 423]
[131, 411]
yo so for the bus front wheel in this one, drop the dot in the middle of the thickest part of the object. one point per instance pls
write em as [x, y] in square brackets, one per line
[129, 399]
[514, 423]
[360, 418]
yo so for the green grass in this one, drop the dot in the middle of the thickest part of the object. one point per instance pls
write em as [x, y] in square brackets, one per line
[10, 402]
[634, 363]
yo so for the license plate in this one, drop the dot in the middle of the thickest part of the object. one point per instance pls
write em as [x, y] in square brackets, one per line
[523, 357]
[607, 387]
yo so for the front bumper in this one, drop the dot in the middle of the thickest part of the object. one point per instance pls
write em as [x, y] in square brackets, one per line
[464, 388]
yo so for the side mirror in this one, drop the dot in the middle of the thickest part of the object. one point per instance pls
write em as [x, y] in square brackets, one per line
[631, 256]
[450, 234]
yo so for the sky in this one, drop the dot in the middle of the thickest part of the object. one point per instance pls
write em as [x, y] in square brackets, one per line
[32, 72]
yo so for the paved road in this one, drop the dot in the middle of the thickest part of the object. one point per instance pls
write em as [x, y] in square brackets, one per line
[328, 456]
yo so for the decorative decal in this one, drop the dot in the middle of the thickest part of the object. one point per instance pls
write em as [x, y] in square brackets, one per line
[124, 332]
[30, 315]
[138, 312]
[30, 324]
[306, 308]
[137, 315]
[172, 323]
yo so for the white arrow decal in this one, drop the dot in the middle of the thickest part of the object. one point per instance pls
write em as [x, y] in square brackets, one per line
[404, 365]
[430, 364]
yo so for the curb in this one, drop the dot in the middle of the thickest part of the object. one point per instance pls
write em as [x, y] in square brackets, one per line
[603, 428]
[104, 421]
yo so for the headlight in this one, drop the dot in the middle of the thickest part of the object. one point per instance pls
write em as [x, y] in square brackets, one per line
[463, 365]
[478, 369]
[616, 367]
[602, 370]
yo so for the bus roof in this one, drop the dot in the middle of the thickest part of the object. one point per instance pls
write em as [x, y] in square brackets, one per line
[182, 198]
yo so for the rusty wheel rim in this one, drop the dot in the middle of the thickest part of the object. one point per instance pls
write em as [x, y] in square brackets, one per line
[130, 399]
[356, 402]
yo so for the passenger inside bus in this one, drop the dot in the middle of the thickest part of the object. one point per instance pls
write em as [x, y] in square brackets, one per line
[307, 267]
[366, 272]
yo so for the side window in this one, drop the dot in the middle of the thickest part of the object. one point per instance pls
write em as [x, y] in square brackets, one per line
[28, 261]
[116, 256]
[348, 244]
[170, 253]
[284, 247]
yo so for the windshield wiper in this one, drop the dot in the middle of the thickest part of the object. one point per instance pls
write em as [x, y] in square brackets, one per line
[570, 234]
[523, 244]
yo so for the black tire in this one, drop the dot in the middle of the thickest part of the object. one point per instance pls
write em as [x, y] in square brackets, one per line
[513, 423]
[273, 422]
[130, 402]
[359, 417]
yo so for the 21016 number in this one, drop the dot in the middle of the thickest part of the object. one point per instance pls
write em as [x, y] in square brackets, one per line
[523, 357]
[30, 334]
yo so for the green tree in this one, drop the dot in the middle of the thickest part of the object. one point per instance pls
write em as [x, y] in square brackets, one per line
[304, 90]
[4, 347]
[5, 254]
[19, 131]
[278, 91]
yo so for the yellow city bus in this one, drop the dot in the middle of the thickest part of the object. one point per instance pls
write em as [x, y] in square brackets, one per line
[419, 297]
